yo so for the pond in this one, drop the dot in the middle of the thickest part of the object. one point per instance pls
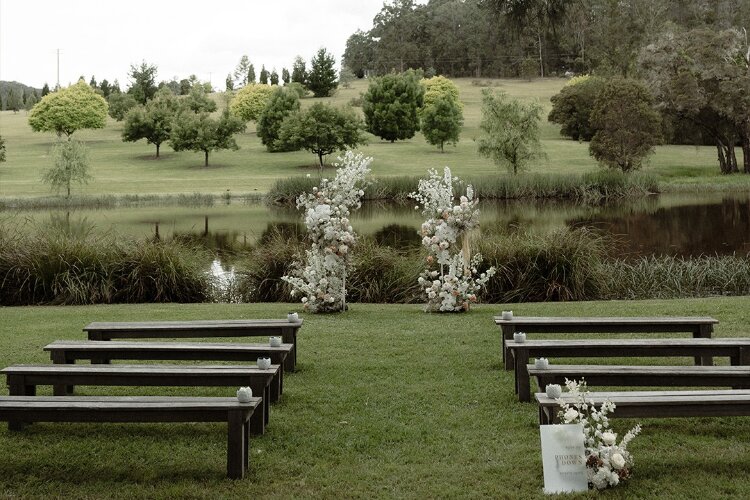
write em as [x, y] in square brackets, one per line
[671, 224]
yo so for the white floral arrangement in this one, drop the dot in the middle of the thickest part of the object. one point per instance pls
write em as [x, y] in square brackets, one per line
[322, 280]
[608, 462]
[450, 282]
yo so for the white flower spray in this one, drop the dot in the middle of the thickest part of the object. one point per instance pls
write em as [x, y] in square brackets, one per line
[607, 463]
[322, 282]
[449, 283]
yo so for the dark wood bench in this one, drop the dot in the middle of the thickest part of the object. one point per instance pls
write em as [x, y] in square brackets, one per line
[736, 377]
[23, 379]
[287, 330]
[101, 352]
[700, 327]
[242, 419]
[738, 351]
[658, 404]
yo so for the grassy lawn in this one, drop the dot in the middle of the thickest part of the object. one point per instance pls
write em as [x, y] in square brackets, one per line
[387, 402]
[127, 168]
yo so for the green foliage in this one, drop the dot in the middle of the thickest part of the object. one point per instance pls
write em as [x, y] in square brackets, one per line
[2, 149]
[439, 86]
[198, 101]
[572, 107]
[30, 101]
[45, 89]
[251, 74]
[322, 129]
[241, 72]
[14, 100]
[71, 165]
[263, 78]
[442, 120]
[285, 76]
[627, 126]
[69, 109]
[281, 104]
[200, 132]
[229, 83]
[143, 82]
[51, 267]
[152, 122]
[273, 78]
[346, 77]
[510, 131]
[322, 77]
[359, 53]
[250, 101]
[391, 106]
[529, 69]
[120, 104]
[299, 73]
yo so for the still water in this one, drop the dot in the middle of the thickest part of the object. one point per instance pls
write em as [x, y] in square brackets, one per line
[673, 224]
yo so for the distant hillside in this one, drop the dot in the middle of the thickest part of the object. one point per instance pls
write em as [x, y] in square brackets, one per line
[18, 88]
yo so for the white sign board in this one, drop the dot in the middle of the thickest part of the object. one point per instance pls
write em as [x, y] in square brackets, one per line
[563, 458]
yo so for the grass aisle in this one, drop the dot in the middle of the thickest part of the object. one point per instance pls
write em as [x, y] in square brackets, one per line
[387, 402]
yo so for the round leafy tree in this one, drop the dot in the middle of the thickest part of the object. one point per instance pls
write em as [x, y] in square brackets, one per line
[282, 103]
[69, 109]
[439, 86]
[442, 121]
[572, 107]
[391, 106]
[250, 101]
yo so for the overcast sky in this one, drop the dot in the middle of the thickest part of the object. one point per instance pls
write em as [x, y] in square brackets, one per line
[181, 38]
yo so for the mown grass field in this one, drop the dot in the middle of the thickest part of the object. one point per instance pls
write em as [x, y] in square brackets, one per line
[388, 402]
[129, 168]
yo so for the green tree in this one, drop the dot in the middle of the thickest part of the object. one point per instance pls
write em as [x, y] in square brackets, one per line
[359, 53]
[627, 126]
[282, 103]
[437, 87]
[229, 83]
[299, 73]
[322, 77]
[442, 121]
[572, 107]
[510, 131]
[391, 105]
[263, 79]
[251, 74]
[71, 165]
[105, 88]
[92, 82]
[69, 109]
[198, 100]
[153, 121]
[285, 76]
[184, 86]
[241, 71]
[143, 82]
[120, 104]
[2, 149]
[322, 130]
[30, 101]
[200, 132]
[14, 100]
[274, 77]
[45, 89]
[250, 101]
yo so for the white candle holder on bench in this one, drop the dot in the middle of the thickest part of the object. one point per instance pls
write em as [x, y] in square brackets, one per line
[507, 315]
[553, 391]
[264, 363]
[244, 394]
[519, 337]
[274, 341]
[292, 316]
[541, 363]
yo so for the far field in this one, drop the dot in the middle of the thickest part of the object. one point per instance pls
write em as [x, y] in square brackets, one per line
[128, 168]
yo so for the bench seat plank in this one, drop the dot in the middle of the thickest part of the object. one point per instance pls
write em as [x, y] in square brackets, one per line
[241, 418]
[23, 379]
[737, 349]
[698, 326]
[631, 404]
[99, 330]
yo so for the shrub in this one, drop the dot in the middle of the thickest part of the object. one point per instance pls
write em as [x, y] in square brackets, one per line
[250, 101]
[282, 103]
[572, 107]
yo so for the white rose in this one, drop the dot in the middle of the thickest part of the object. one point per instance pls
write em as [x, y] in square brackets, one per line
[609, 438]
[617, 461]
[570, 415]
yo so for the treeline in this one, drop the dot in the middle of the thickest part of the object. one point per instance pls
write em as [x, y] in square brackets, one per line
[509, 38]
[15, 96]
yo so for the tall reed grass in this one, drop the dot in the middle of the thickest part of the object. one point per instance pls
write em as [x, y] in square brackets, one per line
[586, 188]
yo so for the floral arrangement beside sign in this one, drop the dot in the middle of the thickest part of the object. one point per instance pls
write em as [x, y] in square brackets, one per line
[608, 462]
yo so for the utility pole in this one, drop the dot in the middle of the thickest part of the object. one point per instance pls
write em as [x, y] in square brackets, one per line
[58, 70]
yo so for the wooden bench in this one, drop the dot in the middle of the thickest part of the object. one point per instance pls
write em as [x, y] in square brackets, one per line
[242, 419]
[738, 351]
[287, 330]
[658, 404]
[736, 377]
[67, 352]
[700, 327]
[23, 379]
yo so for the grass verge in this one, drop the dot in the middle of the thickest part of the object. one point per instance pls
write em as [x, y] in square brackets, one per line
[388, 402]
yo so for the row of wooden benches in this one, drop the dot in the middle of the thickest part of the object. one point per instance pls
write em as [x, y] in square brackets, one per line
[701, 347]
[23, 407]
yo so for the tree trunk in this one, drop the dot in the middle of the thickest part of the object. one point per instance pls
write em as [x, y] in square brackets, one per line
[320, 159]
[746, 150]
[541, 59]
[206, 163]
[157, 149]
[733, 159]
[68, 197]
[722, 158]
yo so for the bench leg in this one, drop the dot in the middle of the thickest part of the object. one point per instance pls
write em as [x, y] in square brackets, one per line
[267, 404]
[246, 442]
[19, 389]
[507, 334]
[257, 421]
[59, 358]
[276, 386]
[523, 383]
[289, 336]
[704, 332]
[236, 439]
